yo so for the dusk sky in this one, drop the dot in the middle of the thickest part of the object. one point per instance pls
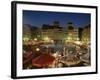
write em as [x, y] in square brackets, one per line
[38, 18]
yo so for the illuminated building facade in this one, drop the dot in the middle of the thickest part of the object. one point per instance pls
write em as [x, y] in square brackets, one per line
[59, 34]
[72, 32]
[26, 32]
[86, 34]
[52, 33]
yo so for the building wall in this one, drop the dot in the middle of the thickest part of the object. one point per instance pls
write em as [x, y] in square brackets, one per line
[72, 32]
[72, 35]
[52, 32]
[86, 34]
[58, 33]
[26, 32]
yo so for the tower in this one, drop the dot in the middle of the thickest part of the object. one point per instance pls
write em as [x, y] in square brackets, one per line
[70, 26]
[56, 24]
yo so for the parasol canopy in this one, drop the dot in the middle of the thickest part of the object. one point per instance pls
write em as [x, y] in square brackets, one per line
[43, 60]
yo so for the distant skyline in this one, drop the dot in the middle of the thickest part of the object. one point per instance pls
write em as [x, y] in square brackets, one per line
[38, 18]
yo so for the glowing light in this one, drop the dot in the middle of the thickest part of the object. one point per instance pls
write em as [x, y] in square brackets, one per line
[77, 39]
[52, 40]
[69, 38]
[55, 55]
[25, 38]
[35, 39]
[78, 42]
[37, 49]
[47, 39]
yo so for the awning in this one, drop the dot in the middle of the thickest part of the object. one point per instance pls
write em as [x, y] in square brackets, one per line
[43, 60]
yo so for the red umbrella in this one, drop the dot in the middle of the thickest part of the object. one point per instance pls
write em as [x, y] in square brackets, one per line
[43, 60]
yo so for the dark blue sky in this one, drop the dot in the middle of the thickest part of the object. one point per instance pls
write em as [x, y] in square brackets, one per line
[38, 18]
